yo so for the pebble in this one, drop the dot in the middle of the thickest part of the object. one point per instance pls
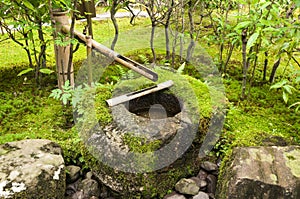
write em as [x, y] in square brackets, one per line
[73, 173]
[202, 186]
[174, 195]
[90, 187]
[201, 195]
[202, 175]
[211, 183]
[209, 166]
[187, 186]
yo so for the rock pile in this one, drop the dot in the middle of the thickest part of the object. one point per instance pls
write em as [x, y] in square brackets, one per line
[81, 185]
[202, 186]
[36, 169]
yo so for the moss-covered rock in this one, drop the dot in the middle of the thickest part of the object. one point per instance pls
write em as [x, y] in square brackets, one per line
[32, 169]
[261, 172]
[119, 135]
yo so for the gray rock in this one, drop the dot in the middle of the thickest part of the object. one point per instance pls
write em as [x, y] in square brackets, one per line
[201, 195]
[89, 187]
[72, 188]
[78, 195]
[211, 183]
[200, 183]
[73, 173]
[116, 143]
[174, 195]
[211, 195]
[89, 175]
[261, 172]
[32, 169]
[187, 186]
[209, 166]
[203, 185]
[202, 175]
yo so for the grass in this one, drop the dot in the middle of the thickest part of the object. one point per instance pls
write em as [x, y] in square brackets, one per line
[27, 112]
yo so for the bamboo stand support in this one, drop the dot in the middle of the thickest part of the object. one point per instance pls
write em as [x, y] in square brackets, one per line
[62, 53]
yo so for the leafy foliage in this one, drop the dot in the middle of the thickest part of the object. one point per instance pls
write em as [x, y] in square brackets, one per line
[289, 87]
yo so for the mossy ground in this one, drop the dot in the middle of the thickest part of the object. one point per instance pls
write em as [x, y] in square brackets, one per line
[27, 112]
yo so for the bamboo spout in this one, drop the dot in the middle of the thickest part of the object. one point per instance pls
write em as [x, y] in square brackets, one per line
[115, 56]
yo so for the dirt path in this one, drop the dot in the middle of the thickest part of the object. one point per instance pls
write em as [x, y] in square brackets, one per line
[106, 15]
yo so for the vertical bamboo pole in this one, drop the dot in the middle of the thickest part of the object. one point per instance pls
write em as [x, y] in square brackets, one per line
[89, 58]
[62, 52]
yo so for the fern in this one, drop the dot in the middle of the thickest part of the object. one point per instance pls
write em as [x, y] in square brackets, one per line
[144, 59]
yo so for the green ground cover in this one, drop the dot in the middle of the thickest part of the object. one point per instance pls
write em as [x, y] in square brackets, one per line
[28, 112]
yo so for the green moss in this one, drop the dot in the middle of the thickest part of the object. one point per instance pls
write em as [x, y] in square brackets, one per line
[103, 113]
[197, 99]
[140, 144]
[292, 162]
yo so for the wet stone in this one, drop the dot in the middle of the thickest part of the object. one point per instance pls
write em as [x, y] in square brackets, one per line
[89, 175]
[209, 166]
[201, 195]
[187, 186]
[174, 195]
[90, 188]
[211, 183]
[202, 175]
[198, 181]
[73, 173]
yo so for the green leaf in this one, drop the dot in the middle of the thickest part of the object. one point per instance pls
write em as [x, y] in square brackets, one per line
[288, 88]
[25, 71]
[56, 93]
[243, 25]
[46, 71]
[29, 5]
[295, 104]
[285, 97]
[279, 84]
[297, 80]
[64, 100]
[181, 68]
[67, 85]
[265, 5]
[285, 46]
[252, 40]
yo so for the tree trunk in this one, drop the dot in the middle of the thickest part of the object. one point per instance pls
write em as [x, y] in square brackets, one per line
[167, 24]
[274, 69]
[26, 48]
[174, 49]
[245, 62]
[167, 42]
[42, 55]
[221, 56]
[191, 32]
[152, 43]
[228, 58]
[115, 23]
[87, 6]
[266, 62]
[70, 62]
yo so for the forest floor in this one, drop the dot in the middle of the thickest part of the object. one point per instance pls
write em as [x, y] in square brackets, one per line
[27, 111]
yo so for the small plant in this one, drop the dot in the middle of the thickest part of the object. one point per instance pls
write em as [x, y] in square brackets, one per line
[144, 59]
[289, 89]
[180, 69]
[64, 95]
